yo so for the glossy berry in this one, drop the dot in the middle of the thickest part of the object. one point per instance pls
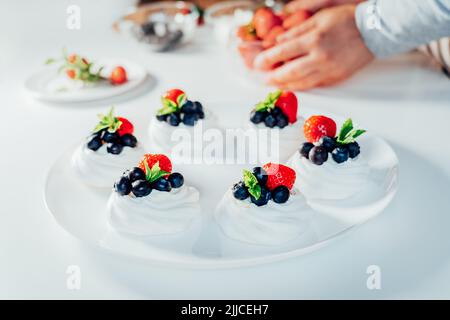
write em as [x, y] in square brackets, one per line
[240, 191]
[353, 149]
[189, 119]
[126, 127]
[263, 199]
[280, 194]
[282, 121]
[257, 116]
[114, 148]
[198, 107]
[176, 180]
[118, 76]
[328, 143]
[201, 114]
[123, 186]
[316, 127]
[279, 175]
[261, 175]
[288, 104]
[151, 159]
[95, 143]
[161, 185]
[174, 119]
[128, 140]
[110, 136]
[173, 95]
[188, 107]
[136, 174]
[141, 188]
[305, 148]
[318, 155]
[162, 117]
[270, 121]
[340, 154]
[276, 111]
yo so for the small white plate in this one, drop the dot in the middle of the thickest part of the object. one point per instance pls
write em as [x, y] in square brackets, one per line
[51, 86]
[82, 212]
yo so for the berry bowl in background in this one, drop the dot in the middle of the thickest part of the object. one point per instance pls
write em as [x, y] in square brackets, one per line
[161, 26]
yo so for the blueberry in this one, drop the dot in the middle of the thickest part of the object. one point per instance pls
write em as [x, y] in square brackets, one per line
[161, 184]
[318, 155]
[282, 120]
[95, 143]
[270, 121]
[128, 140]
[201, 115]
[110, 136]
[340, 154]
[176, 180]
[174, 119]
[328, 143]
[141, 188]
[264, 197]
[190, 119]
[240, 191]
[162, 117]
[188, 107]
[198, 107]
[114, 148]
[353, 149]
[148, 28]
[276, 111]
[304, 150]
[257, 116]
[280, 194]
[123, 186]
[135, 174]
[261, 175]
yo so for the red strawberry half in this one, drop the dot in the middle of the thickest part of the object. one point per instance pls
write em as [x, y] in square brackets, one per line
[118, 75]
[173, 95]
[126, 127]
[288, 103]
[279, 175]
[316, 127]
[164, 162]
[264, 20]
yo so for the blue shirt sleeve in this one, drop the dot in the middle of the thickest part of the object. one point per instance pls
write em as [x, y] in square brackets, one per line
[390, 27]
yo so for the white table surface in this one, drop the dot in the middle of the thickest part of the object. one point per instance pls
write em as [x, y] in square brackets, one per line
[410, 241]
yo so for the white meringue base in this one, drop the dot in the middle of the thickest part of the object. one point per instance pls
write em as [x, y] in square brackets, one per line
[272, 224]
[331, 180]
[156, 214]
[100, 168]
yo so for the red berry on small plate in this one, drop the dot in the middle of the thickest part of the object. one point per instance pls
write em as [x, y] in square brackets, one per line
[279, 175]
[164, 162]
[126, 127]
[118, 76]
[288, 103]
[317, 127]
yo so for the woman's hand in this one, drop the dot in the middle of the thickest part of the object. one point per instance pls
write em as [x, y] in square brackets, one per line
[316, 5]
[321, 51]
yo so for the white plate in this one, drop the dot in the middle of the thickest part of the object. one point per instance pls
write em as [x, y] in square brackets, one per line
[49, 85]
[82, 212]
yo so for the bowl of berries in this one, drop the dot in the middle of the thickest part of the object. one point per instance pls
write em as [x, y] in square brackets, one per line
[161, 26]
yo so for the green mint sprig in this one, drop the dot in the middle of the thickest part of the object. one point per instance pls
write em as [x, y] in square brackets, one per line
[169, 106]
[154, 173]
[251, 183]
[270, 101]
[108, 121]
[348, 133]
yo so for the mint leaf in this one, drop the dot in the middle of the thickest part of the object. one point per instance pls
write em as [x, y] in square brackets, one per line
[255, 191]
[273, 97]
[358, 133]
[181, 99]
[155, 172]
[168, 103]
[251, 183]
[50, 61]
[166, 110]
[348, 134]
[347, 126]
[148, 171]
[261, 106]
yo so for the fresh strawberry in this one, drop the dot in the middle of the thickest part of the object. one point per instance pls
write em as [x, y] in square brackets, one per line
[247, 32]
[118, 75]
[173, 95]
[264, 20]
[288, 103]
[316, 127]
[296, 18]
[152, 159]
[279, 175]
[72, 58]
[71, 73]
[271, 39]
[126, 127]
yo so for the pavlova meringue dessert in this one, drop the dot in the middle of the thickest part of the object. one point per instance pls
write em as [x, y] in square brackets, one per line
[330, 167]
[276, 124]
[175, 124]
[107, 151]
[152, 200]
[264, 208]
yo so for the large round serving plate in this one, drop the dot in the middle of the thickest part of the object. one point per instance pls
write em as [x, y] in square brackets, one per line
[81, 210]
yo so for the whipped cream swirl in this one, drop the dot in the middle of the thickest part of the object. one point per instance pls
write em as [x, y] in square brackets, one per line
[331, 180]
[100, 168]
[289, 139]
[156, 214]
[272, 224]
